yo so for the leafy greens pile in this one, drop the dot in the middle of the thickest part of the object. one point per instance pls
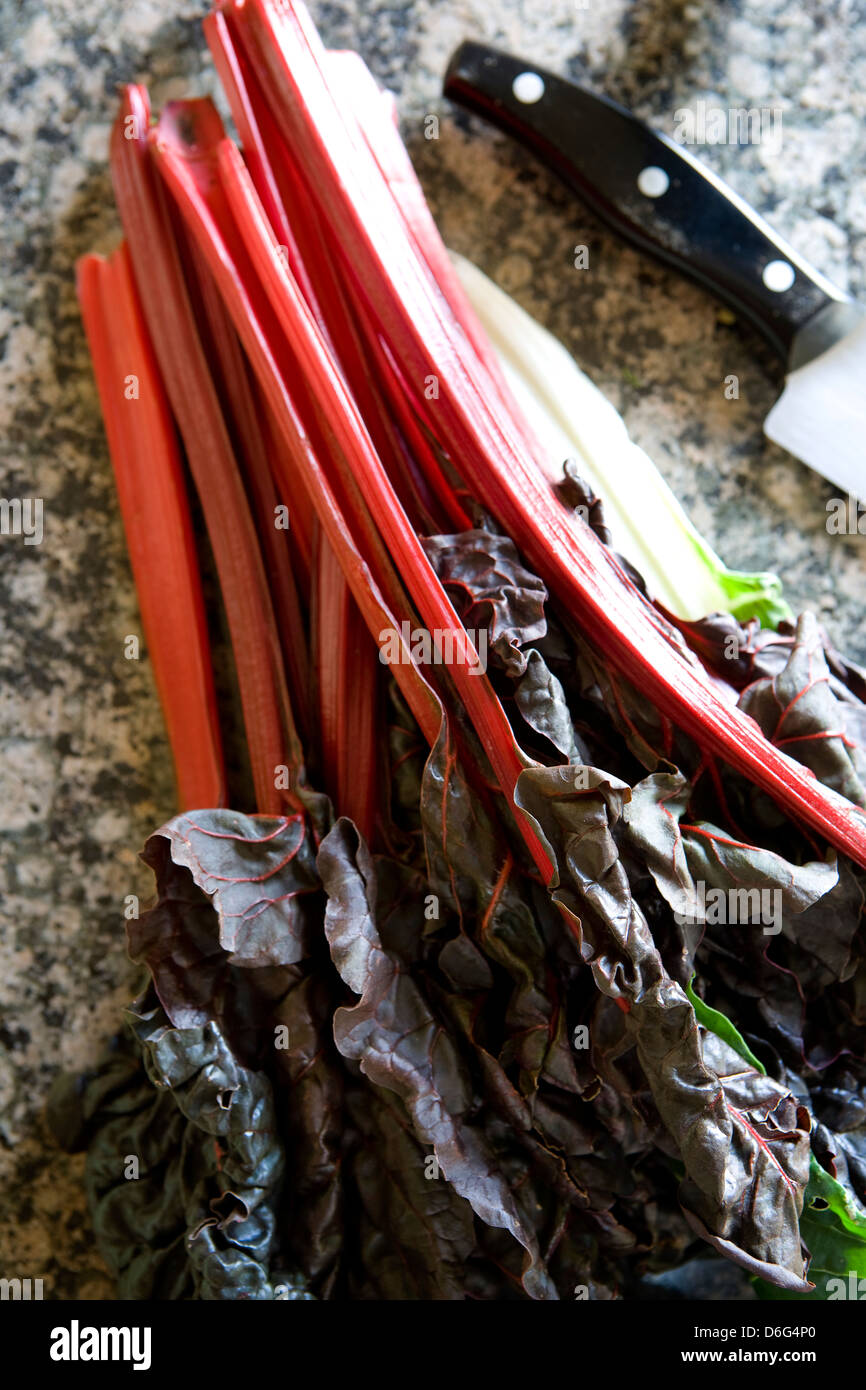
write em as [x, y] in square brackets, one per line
[470, 1021]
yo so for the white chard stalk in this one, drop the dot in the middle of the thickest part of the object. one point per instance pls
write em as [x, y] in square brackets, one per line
[573, 419]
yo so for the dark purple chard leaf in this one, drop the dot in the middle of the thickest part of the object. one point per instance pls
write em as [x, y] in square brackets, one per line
[540, 698]
[738, 653]
[535, 1019]
[798, 711]
[407, 751]
[233, 909]
[840, 1101]
[471, 871]
[742, 654]
[257, 871]
[622, 1099]
[198, 1221]
[463, 965]
[551, 1142]
[833, 1221]
[848, 679]
[612, 699]
[402, 928]
[229, 1210]
[139, 1227]
[557, 1200]
[783, 996]
[760, 888]
[468, 864]
[853, 715]
[766, 1171]
[491, 590]
[577, 494]
[828, 932]
[309, 1083]
[843, 1154]
[178, 940]
[402, 1047]
[736, 1199]
[780, 932]
[420, 1233]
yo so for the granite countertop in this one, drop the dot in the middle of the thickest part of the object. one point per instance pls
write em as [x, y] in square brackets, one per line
[84, 766]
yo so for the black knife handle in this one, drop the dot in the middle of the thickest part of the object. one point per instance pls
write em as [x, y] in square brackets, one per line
[697, 224]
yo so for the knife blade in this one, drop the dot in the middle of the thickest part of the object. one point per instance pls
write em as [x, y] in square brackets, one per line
[663, 200]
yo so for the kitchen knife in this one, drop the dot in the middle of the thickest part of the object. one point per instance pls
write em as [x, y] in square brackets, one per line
[664, 201]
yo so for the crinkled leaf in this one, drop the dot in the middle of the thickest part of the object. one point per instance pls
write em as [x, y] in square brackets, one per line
[402, 1047]
[472, 870]
[489, 588]
[232, 912]
[199, 1219]
[685, 859]
[555, 1146]
[309, 1102]
[832, 1223]
[766, 1170]
[139, 1226]
[798, 711]
[742, 1140]
[420, 1232]
[648, 735]
[827, 934]
[540, 698]
[257, 871]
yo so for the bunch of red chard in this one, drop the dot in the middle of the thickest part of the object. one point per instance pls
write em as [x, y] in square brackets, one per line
[537, 966]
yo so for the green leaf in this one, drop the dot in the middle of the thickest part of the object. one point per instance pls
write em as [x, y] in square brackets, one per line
[833, 1226]
[723, 1028]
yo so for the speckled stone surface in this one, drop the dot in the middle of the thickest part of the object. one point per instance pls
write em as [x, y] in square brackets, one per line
[84, 768]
